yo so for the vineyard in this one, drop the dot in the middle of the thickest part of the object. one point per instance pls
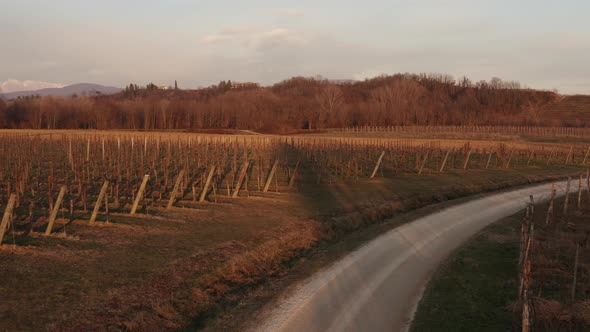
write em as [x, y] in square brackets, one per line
[68, 175]
[553, 265]
[144, 216]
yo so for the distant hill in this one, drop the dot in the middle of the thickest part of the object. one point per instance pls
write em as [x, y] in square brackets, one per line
[81, 89]
[570, 110]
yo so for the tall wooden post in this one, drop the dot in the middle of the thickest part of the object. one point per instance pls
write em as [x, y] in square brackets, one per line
[466, 162]
[567, 196]
[60, 197]
[423, 163]
[574, 282]
[377, 165]
[207, 184]
[175, 189]
[569, 155]
[528, 162]
[509, 159]
[444, 162]
[139, 195]
[586, 156]
[489, 159]
[6, 217]
[580, 192]
[551, 204]
[270, 176]
[241, 177]
[294, 175]
[550, 155]
[98, 203]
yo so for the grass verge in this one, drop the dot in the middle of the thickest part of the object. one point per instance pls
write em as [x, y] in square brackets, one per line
[474, 288]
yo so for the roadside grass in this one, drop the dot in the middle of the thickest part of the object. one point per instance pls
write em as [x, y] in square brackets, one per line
[473, 289]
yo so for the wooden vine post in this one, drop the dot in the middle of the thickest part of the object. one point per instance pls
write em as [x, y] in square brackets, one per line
[567, 196]
[574, 282]
[7, 217]
[551, 203]
[489, 159]
[294, 175]
[580, 192]
[60, 197]
[207, 184]
[466, 162]
[423, 163]
[139, 195]
[270, 176]
[175, 189]
[379, 161]
[241, 177]
[509, 159]
[569, 155]
[586, 156]
[444, 162]
[98, 203]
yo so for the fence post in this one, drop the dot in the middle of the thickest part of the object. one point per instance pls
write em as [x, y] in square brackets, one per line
[270, 176]
[489, 159]
[575, 272]
[294, 175]
[567, 196]
[175, 189]
[466, 162]
[423, 162]
[242, 175]
[580, 192]
[207, 184]
[103, 190]
[7, 217]
[551, 203]
[509, 159]
[377, 165]
[139, 195]
[442, 166]
[586, 156]
[60, 197]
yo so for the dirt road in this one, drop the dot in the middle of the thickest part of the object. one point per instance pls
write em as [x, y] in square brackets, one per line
[377, 287]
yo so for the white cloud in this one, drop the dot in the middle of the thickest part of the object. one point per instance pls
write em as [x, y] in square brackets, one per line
[277, 38]
[257, 38]
[13, 85]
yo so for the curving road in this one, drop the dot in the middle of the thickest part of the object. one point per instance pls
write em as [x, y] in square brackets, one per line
[377, 287]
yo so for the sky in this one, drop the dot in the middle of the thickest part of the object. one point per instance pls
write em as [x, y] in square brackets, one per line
[542, 44]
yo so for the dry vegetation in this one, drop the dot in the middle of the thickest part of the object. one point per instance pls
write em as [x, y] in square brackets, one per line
[554, 271]
[270, 199]
[294, 104]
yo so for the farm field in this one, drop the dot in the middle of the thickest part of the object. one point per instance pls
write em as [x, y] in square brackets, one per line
[159, 231]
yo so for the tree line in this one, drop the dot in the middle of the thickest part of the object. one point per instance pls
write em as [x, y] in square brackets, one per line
[294, 104]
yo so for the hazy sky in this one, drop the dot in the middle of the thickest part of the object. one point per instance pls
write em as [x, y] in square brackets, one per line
[544, 44]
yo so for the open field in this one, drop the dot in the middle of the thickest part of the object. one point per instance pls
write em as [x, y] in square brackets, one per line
[217, 214]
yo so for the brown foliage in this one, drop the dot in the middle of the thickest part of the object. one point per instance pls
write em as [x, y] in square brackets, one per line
[297, 103]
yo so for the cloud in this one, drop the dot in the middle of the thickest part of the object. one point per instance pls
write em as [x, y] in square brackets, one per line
[288, 12]
[257, 38]
[13, 85]
[277, 38]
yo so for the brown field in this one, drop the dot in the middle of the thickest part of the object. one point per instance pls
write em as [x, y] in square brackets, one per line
[170, 268]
